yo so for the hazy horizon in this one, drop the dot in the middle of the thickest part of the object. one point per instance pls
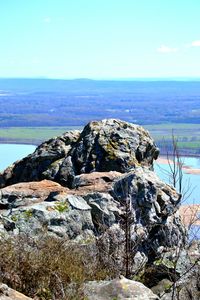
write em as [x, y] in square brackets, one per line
[108, 79]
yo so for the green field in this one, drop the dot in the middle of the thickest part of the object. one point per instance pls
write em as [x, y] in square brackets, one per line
[188, 135]
[31, 135]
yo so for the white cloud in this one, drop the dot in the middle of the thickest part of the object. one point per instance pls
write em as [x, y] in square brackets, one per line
[47, 20]
[166, 49]
[195, 43]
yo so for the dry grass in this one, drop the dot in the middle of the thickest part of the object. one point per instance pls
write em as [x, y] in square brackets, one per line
[49, 268]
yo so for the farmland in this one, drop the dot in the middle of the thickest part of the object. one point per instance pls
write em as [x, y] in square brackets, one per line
[188, 135]
[32, 110]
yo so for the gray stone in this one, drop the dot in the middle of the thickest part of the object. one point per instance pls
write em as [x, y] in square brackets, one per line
[162, 288]
[78, 202]
[7, 293]
[43, 163]
[112, 145]
[120, 289]
[148, 202]
[72, 213]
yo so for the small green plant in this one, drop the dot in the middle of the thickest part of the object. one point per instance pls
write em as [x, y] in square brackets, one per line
[15, 218]
[62, 206]
[27, 214]
[165, 262]
[167, 287]
[88, 240]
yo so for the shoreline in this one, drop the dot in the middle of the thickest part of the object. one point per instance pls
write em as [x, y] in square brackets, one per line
[164, 155]
[187, 169]
[190, 214]
[20, 142]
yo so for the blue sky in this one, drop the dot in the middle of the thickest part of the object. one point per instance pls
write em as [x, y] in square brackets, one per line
[99, 38]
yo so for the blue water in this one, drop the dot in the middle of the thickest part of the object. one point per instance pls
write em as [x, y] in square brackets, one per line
[9, 153]
[194, 232]
[191, 182]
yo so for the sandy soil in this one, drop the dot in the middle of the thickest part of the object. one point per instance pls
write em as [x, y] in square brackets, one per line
[187, 169]
[190, 214]
[190, 170]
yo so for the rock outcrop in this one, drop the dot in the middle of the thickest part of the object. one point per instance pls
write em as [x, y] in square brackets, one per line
[46, 158]
[79, 185]
[108, 145]
[97, 186]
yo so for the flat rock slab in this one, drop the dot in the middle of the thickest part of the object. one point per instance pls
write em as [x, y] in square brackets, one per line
[27, 193]
[95, 181]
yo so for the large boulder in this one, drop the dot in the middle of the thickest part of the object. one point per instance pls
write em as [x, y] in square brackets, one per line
[112, 145]
[108, 145]
[47, 157]
[44, 207]
[118, 289]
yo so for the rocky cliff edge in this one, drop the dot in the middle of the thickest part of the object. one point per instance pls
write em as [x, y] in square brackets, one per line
[78, 185]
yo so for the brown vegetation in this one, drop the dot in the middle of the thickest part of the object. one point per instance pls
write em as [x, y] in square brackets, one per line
[49, 268]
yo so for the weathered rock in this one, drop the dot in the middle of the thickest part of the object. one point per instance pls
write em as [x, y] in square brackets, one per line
[112, 145]
[92, 209]
[175, 273]
[108, 145]
[190, 289]
[47, 206]
[154, 206]
[24, 194]
[42, 163]
[118, 289]
[95, 181]
[163, 287]
[187, 287]
[7, 293]
[69, 217]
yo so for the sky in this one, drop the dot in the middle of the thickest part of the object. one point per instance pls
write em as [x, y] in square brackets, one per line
[100, 39]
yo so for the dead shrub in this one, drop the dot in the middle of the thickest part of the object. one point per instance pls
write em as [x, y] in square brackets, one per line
[49, 268]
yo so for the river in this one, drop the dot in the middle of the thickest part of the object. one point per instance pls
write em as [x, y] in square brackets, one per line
[9, 153]
[191, 177]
